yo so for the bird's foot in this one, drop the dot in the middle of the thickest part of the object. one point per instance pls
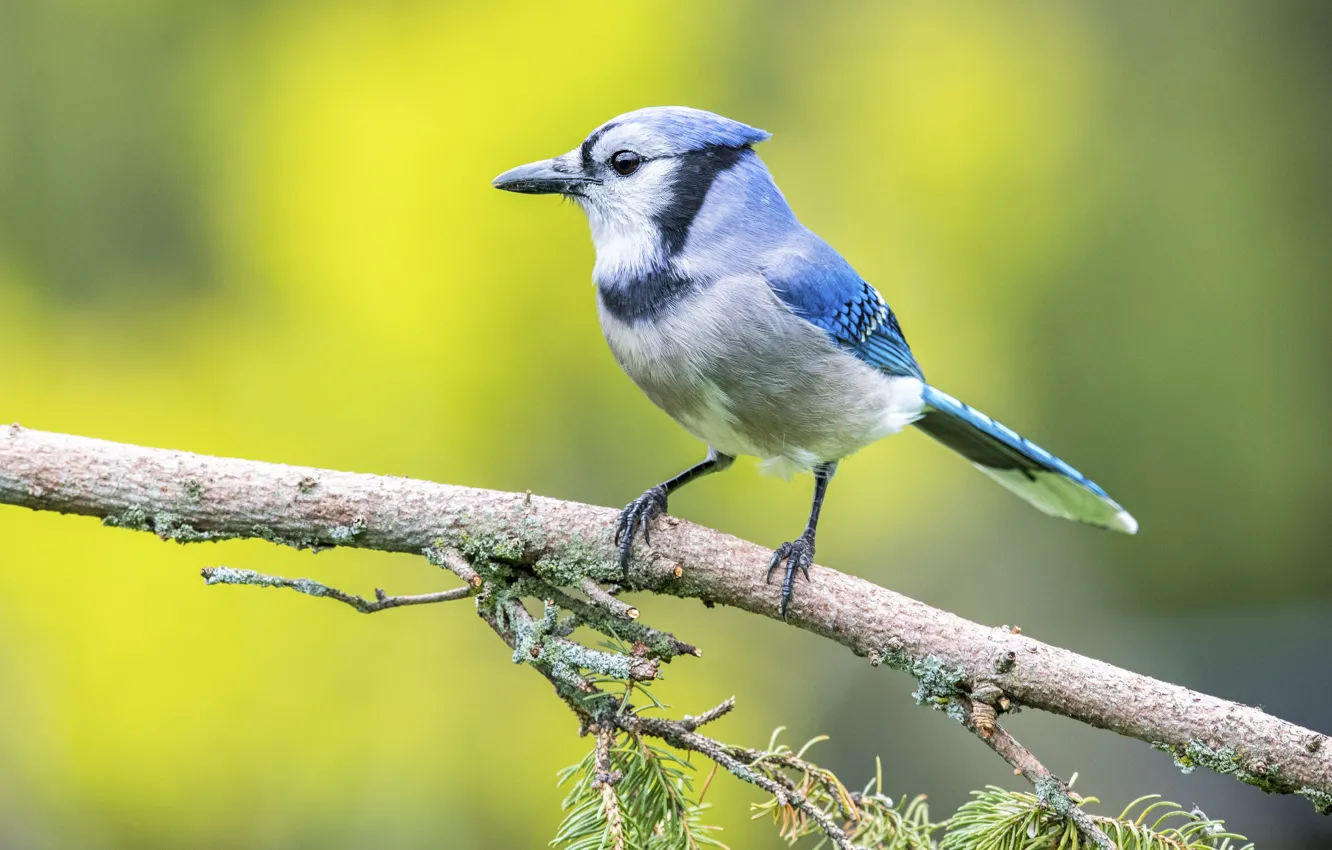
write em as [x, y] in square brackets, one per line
[798, 554]
[638, 514]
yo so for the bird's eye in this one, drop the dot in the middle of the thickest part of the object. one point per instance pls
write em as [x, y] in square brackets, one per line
[625, 162]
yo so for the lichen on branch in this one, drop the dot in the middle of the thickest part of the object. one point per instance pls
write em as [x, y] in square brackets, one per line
[510, 546]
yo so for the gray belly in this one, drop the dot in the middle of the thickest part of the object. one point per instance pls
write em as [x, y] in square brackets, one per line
[741, 372]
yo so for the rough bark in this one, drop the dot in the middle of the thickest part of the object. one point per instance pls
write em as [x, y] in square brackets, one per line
[192, 498]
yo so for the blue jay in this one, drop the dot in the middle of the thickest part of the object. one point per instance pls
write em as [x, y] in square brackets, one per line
[752, 332]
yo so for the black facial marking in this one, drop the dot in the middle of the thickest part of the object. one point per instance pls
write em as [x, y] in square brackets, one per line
[693, 178]
[645, 298]
[590, 142]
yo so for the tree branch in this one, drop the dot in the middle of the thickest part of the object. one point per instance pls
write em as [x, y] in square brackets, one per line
[310, 587]
[603, 598]
[674, 733]
[1050, 789]
[605, 781]
[192, 498]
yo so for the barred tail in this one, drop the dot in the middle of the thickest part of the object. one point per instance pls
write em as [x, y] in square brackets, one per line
[1019, 464]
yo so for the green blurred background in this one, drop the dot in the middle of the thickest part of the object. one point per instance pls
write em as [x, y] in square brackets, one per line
[266, 229]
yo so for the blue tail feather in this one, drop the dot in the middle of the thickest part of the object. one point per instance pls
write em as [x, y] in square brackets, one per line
[1020, 465]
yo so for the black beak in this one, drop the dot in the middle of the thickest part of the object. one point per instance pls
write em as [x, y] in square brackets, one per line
[541, 178]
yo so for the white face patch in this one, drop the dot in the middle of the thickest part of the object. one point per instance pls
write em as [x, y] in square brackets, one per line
[620, 213]
[621, 209]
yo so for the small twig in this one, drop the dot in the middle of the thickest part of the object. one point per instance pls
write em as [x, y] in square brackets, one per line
[567, 683]
[628, 630]
[1052, 791]
[602, 599]
[846, 802]
[383, 600]
[453, 561]
[678, 734]
[674, 733]
[690, 723]
[606, 779]
[310, 587]
[564, 657]
[983, 713]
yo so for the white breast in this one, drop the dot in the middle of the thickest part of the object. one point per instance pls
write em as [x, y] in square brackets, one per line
[741, 372]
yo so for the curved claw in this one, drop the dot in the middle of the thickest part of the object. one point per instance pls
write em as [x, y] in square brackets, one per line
[638, 514]
[798, 555]
[782, 552]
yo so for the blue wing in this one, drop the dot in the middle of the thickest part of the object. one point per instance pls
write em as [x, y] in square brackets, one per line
[822, 288]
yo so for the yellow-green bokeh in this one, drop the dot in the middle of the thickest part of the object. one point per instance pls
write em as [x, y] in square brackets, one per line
[266, 229]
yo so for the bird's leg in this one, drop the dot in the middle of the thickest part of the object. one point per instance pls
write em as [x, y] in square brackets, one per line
[799, 553]
[641, 511]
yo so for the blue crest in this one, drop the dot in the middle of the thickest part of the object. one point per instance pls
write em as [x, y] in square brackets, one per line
[691, 129]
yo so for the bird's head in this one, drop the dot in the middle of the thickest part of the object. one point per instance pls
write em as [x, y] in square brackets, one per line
[641, 178]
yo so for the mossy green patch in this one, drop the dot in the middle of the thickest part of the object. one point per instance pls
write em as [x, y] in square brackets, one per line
[309, 586]
[134, 518]
[480, 546]
[536, 642]
[345, 535]
[165, 524]
[170, 526]
[264, 532]
[1322, 801]
[230, 575]
[577, 560]
[938, 685]
[1054, 795]
[1226, 761]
